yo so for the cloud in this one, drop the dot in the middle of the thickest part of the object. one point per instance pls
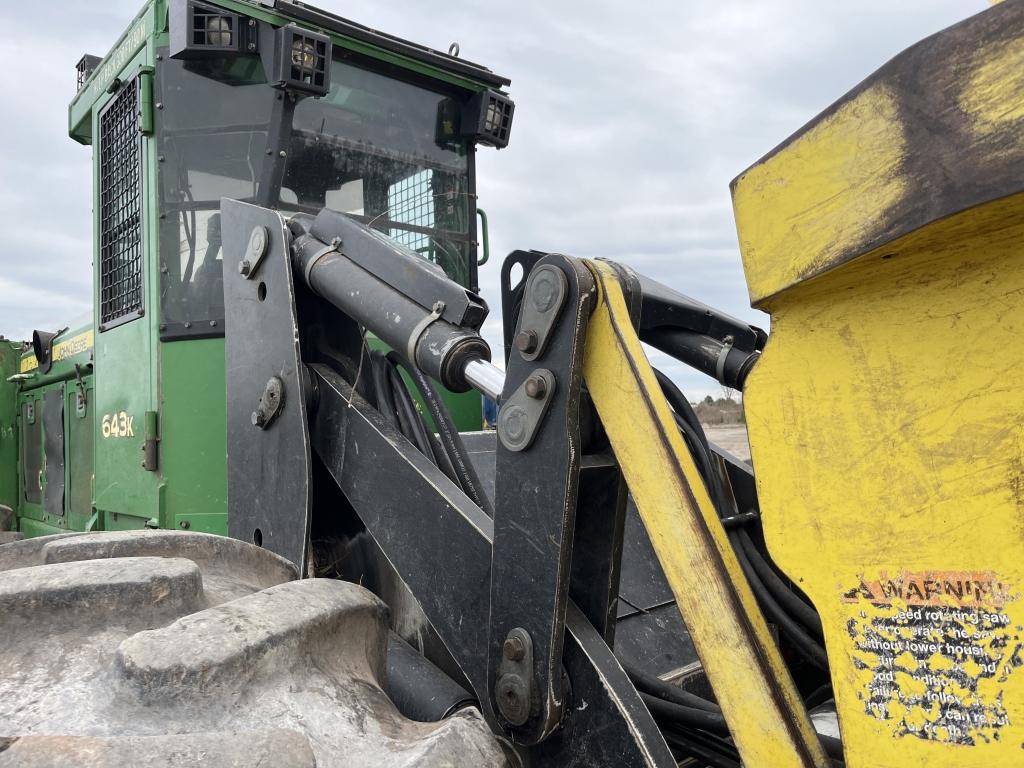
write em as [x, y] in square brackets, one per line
[631, 119]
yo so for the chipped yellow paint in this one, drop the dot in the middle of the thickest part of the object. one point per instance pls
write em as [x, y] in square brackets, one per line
[992, 91]
[751, 681]
[62, 350]
[819, 196]
[887, 431]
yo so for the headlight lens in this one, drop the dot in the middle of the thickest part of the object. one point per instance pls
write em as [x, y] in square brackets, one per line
[303, 54]
[218, 31]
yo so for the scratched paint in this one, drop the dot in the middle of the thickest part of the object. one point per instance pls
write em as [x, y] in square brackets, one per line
[932, 651]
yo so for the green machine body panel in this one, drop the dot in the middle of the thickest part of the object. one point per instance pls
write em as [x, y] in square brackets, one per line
[54, 436]
[10, 355]
[125, 427]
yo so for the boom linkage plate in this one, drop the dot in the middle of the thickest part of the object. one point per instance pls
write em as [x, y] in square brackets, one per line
[269, 500]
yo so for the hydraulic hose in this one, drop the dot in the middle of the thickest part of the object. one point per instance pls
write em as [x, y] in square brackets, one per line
[655, 686]
[689, 744]
[803, 642]
[449, 436]
[689, 716]
[788, 599]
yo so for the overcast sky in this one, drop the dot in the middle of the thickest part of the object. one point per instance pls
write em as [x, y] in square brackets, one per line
[631, 119]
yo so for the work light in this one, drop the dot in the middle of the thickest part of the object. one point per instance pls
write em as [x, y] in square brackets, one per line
[302, 60]
[303, 54]
[487, 118]
[219, 31]
[199, 30]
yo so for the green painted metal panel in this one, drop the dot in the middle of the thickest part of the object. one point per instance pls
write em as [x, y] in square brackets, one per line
[34, 471]
[71, 347]
[193, 435]
[79, 421]
[126, 495]
[37, 528]
[10, 353]
[93, 92]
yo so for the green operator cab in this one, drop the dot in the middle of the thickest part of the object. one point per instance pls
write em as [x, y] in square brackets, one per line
[271, 102]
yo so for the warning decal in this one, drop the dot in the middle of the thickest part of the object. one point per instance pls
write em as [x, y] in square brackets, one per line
[932, 650]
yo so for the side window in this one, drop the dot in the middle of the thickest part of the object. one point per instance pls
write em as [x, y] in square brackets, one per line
[120, 226]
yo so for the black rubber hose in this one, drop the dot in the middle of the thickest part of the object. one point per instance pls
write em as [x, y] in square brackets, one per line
[655, 686]
[668, 711]
[833, 746]
[441, 458]
[686, 745]
[679, 402]
[690, 426]
[803, 642]
[382, 388]
[407, 413]
[792, 604]
[818, 696]
[450, 438]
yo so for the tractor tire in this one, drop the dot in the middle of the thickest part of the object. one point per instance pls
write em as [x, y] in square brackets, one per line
[165, 648]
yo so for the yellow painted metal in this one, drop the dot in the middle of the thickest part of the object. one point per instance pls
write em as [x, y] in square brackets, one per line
[886, 426]
[753, 686]
[885, 416]
[935, 131]
[820, 196]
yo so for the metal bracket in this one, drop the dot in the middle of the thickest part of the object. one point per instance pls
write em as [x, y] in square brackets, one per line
[546, 290]
[269, 470]
[259, 240]
[537, 478]
[414, 338]
[81, 400]
[513, 690]
[523, 412]
[332, 248]
[270, 404]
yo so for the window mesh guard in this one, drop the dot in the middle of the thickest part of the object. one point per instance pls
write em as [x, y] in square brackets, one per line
[411, 201]
[120, 209]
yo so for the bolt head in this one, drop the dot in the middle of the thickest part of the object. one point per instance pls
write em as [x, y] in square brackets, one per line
[185, 524]
[545, 288]
[526, 341]
[513, 648]
[257, 419]
[244, 267]
[512, 421]
[536, 387]
[513, 699]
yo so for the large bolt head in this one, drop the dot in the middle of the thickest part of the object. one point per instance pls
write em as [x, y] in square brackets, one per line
[546, 287]
[257, 241]
[512, 698]
[512, 421]
[514, 649]
[526, 341]
[536, 387]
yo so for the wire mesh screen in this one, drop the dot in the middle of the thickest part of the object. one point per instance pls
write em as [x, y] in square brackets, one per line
[120, 207]
[411, 201]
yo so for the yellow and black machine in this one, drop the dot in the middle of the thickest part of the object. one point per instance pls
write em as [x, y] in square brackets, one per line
[592, 583]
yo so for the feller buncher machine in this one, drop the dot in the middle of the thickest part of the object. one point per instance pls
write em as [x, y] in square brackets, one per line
[254, 519]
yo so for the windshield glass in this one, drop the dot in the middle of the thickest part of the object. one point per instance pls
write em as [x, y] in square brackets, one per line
[382, 150]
